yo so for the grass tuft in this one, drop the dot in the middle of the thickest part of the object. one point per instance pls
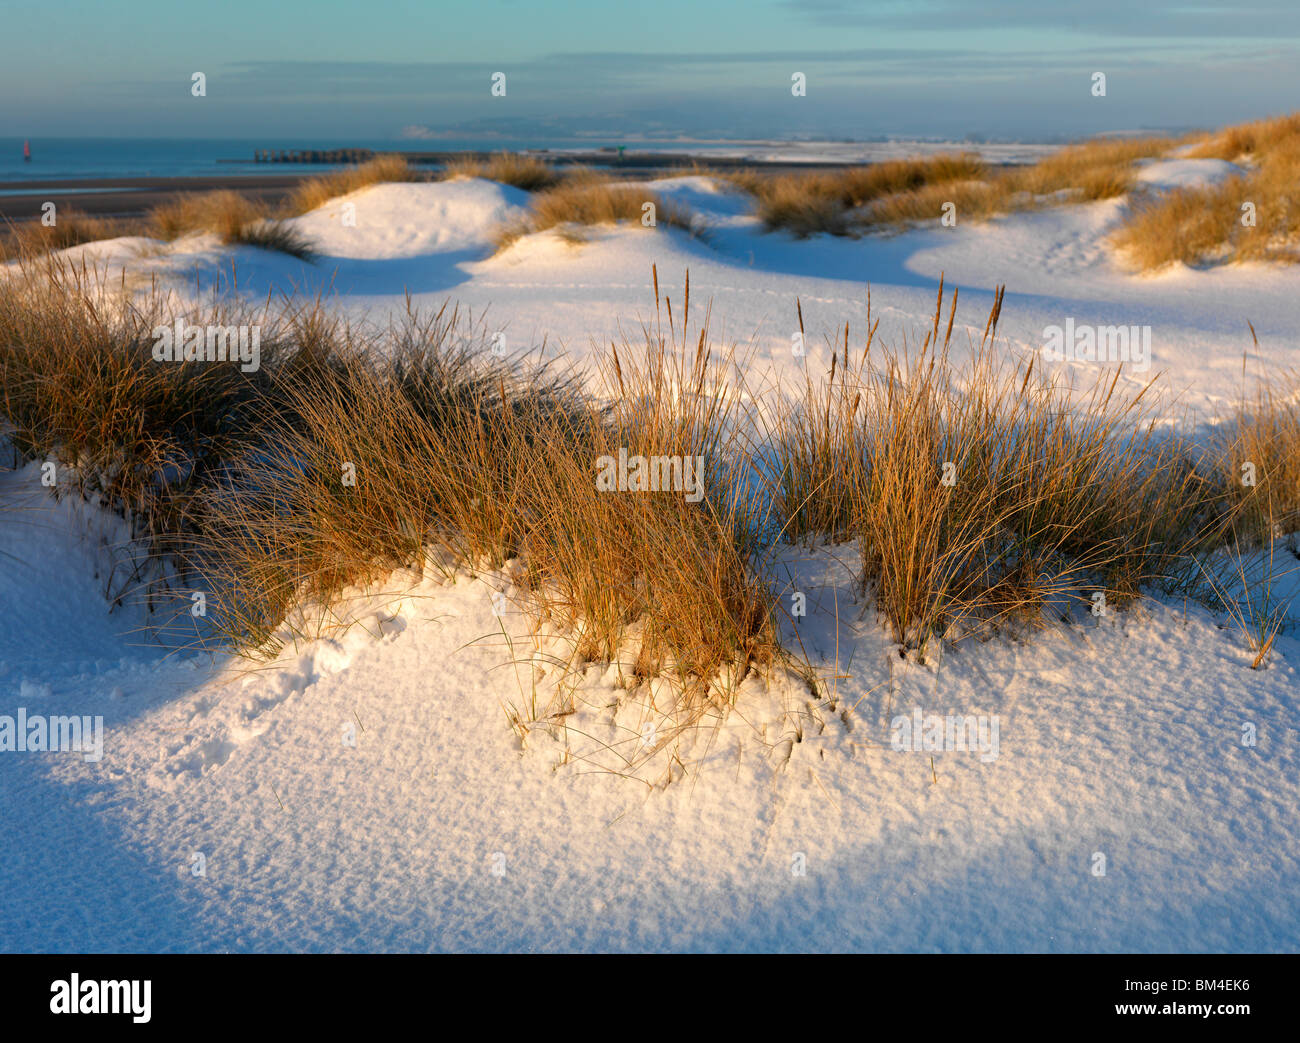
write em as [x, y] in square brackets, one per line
[71, 228]
[318, 191]
[1250, 217]
[509, 168]
[981, 495]
[234, 218]
[570, 207]
[987, 494]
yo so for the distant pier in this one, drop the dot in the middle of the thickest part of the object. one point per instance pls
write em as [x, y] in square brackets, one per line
[314, 155]
[609, 158]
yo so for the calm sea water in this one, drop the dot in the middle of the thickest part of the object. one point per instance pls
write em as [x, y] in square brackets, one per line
[85, 158]
[63, 159]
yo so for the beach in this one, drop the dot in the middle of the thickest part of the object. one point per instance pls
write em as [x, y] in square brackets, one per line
[1118, 733]
[132, 197]
[271, 182]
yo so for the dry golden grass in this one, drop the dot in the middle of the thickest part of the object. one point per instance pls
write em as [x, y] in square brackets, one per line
[973, 201]
[802, 205]
[360, 474]
[1248, 140]
[80, 386]
[1259, 456]
[1050, 496]
[236, 218]
[71, 228]
[672, 397]
[487, 462]
[1091, 170]
[1208, 224]
[808, 204]
[1257, 461]
[1195, 225]
[894, 193]
[223, 213]
[571, 206]
[1187, 225]
[233, 217]
[530, 173]
[276, 236]
[317, 191]
[353, 452]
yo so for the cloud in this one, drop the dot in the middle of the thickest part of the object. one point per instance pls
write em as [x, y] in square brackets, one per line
[1262, 19]
[1011, 86]
[580, 75]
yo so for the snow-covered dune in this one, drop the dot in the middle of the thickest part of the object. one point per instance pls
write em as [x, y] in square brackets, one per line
[394, 221]
[435, 241]
[1185, 173]
[366, 791]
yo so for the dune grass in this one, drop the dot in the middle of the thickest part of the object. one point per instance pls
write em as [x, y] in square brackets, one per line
[1250, 217]
[233, 217]
[1246, 141]
[355, 451]
[891, 194]
[530, 173]
[1256, 461]
[572, 206]
[1196, 225]
[488, 461]
[1187, 225]
[1091, 170]
[894, 193]
[223, 213]
[808, 204]
[317, 191]
[1192, 225]
[81, 388]
[237, 218]
[1258, 454]
[970, 201]
[989, 493]
[71, 228]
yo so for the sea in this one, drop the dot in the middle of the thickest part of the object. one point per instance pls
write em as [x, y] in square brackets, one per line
[87, 159]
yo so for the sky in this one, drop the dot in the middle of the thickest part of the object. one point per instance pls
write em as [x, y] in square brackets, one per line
[1015, 69]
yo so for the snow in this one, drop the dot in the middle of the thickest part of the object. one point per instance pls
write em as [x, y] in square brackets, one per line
[439, 829]
[400, 221]
[1186, 173]
[794, 152]
[434, 240]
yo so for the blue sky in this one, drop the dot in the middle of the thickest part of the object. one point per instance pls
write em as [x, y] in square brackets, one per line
[1006, 68]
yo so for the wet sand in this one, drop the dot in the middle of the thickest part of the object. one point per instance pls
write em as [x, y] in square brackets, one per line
[133, 197]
